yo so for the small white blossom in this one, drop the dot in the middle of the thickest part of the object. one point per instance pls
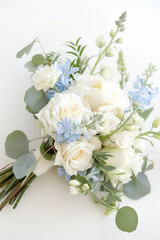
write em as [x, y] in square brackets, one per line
[85, 187]
[100, 42]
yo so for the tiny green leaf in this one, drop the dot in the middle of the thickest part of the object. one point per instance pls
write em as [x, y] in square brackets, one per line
[38, 59]
[25, 50]
[146, 113]
[24, 165]
[126, 219]
[138, 190]
[16, 144]
[35, 99]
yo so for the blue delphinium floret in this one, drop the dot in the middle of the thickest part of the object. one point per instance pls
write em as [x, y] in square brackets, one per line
[64, 81]
[68, 131]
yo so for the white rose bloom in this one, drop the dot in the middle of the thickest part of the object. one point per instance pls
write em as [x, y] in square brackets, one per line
[99, 92]
[124, 139]
[100, 42]
[125, 161]
[107, 72]
[45, 77]
[110, 119]
[74, 190]
[63, 105]
[95, 142]
[74, 157]
[139, 144]
[43, 165]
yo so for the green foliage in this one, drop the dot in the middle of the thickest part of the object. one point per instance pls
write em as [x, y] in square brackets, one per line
[24, 165]
[50, 155]
[29, 65]
[149, 73]
[122, 70]
[146, 113]
[82, 180]
[25, 50]
[120, 22]
[35, 99]
[101, 156]
[16, 144]
[38, 59]
[77, 52]
[126, 219]
[146, 165]
[139, 189]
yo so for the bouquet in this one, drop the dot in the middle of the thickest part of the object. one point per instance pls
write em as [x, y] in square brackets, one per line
[91, 128]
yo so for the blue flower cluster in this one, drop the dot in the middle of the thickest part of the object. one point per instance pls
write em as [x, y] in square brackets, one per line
[143, 93]
[68, 131]
[64, 80]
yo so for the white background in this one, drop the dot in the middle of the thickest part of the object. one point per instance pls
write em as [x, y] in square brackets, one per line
[47, 210]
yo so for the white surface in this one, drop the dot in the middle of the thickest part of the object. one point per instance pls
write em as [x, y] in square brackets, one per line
[47, 210]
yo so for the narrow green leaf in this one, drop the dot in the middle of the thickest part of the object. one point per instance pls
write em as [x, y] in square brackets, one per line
[35, 99]
[38, 59]
[73, 53]
[71, 47]
[24, 165]
[146, 113]
[16, 144]
[82, 50]
[138, 190]
[78, 41]
[25, 50]
[126, 219]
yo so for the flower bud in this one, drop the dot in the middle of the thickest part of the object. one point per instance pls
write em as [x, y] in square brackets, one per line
[100, 42]
[111, 51]
[156, 123]
[74, 182]
[112, 33]
[119, 40]
[85, 187]
[120, 113]
[85, 60]
[74, 190]
[107, 72]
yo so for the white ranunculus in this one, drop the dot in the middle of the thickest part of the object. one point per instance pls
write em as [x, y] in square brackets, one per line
[124, 139]
[74, 157]
[63, 105]
[99, 92]
[107, 72]
[43, 165]
[45, 77]
[125, 161]
[95, 142]
[139, 144]
[100, 42]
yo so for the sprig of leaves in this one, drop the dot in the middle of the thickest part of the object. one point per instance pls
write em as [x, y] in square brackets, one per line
[76, 51]
[122, 70]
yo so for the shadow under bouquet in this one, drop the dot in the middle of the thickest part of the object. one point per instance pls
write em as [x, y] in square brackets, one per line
[91, 129]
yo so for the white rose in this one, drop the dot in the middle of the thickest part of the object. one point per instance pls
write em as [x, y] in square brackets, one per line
[95, 142]
[100, 42]
[43, 165]
[74, 157]
[107, 72]
[125, 161]
[99, 92]
[110, 119]
[139, 144]
[45, 77]
[124, 139]
[63, 105]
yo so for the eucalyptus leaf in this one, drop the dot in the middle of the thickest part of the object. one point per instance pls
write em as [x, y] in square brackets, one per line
[139, 189]
[16, 144]
[38, 59]
[24, 165]
[25, 50]
[35, 99]
[126, 219]
[29, 65]
[146, 113]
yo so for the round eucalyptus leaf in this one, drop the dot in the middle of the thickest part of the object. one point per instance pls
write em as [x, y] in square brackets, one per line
[35, 100]
[16, 144]
[38, 59]
[138, 189]
[126, 219]
[24, 165]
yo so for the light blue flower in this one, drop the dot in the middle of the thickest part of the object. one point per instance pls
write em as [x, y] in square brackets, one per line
[61, 172]
[68, 130]
[66, 72]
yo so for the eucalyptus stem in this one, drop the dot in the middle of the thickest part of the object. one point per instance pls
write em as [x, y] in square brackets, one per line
[35, 139]
[5, 171]
[38, 40]
[6, 176]
[44, 95]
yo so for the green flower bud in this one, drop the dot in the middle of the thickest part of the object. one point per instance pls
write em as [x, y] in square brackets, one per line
[119, 40]
[112, 33]
[100, 42]
[156, 123]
